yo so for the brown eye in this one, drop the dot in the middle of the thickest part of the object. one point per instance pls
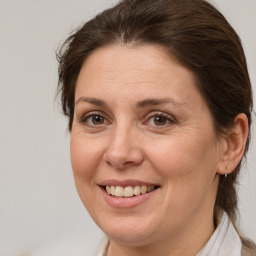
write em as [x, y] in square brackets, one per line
[160, 120]
[96, 120]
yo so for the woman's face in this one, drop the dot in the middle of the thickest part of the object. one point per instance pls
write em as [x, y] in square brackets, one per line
[141, 124]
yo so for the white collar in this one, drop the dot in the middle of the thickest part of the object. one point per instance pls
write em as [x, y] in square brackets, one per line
[224, 241]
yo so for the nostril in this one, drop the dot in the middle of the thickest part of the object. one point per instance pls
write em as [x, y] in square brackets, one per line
[120, 165]
[122, 154]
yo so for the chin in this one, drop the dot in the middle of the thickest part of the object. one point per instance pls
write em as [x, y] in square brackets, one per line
[130, 232]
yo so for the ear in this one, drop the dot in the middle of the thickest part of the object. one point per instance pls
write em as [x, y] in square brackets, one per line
[234, 144]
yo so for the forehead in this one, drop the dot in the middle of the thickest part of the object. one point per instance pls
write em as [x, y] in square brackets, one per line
[128, 66]
[122, 55]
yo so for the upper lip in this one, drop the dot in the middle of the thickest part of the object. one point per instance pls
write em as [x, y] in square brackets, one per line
[124, 183]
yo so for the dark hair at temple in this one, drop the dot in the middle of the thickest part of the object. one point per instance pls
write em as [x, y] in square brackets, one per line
[198, 36]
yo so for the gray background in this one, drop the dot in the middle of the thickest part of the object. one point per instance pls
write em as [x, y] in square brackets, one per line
[38, 201]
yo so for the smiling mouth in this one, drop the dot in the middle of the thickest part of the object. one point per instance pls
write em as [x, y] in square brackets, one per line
[129, 191]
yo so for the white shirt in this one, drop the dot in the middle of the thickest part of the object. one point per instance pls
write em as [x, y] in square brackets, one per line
[224, 241]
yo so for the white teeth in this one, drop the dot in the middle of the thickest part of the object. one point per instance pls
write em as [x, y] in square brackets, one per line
[136, 190]
[108, 188]
[119, 191]
[113, 190]
[128, 191]
[143, 189]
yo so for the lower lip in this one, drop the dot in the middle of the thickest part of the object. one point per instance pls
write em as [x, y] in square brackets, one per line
[126, 202]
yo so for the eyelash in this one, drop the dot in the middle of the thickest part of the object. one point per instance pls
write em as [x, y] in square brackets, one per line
[167, 118]
[84, 119]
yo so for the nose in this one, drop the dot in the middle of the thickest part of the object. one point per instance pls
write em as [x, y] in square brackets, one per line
[124, 150]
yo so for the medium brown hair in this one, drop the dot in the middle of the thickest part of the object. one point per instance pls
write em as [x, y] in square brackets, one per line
[192, 31]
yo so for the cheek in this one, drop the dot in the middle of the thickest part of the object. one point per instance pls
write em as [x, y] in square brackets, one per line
[85, 158]
[188, 168]
[186, 162]
[177, 156]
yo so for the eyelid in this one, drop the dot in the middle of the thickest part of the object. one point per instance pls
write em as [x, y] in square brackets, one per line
[160, 113]
[170, 120]
[85, 116]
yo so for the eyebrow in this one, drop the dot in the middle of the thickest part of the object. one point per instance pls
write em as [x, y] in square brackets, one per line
[140, 104]
[93, 101]
[156, 102]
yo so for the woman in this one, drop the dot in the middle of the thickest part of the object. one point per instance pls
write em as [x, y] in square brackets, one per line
[159, 103]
